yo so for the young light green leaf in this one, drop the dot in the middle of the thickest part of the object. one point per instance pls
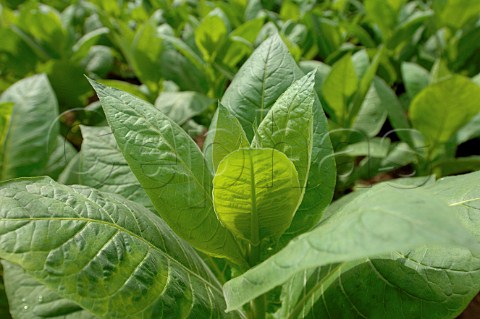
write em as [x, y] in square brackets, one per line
[227, 137]
[210, 35]
[33, 128]
[171, 170]
[442, 108]
[103, 166]
[371, 224]
[455, 13]
[111, 256]
[6, 109]
[261, 80]
[321, 177]
[384, 14]
[415, 78]
[288, 126]
[339, 86]
[255, 193]
[29, 298]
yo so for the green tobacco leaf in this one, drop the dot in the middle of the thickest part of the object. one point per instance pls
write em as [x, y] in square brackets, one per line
[210, 35]
[459, 165]
[142, 49]
[228, 136]
[373, 223]
[33, 128]
[6, 109]
[442, 108]
[63, 153]
[103, 166]
[435, 281]
[255, 193]
[111, 256]
[455, 13]
[182, 106]
[171, 170]
[321, 177]
[373, 112]
[384, 14]
[288, 125]
[261, 80]
[415, 78]
[396, 114]
[241, 41]
[29, 298]
[468, 131]
[339, 86]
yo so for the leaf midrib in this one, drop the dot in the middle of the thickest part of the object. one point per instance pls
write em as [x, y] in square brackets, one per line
[254, 229]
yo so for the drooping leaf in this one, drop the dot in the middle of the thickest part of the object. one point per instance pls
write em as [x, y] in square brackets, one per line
[288, 126]
[255, 193]
[371, 224]
[261, 80]
[442, 108]
[182, 106]
[103, 166]
[29, 298]
[33, 128]
[171, 170]
[228, 136]
[436, 281]
[111, 256]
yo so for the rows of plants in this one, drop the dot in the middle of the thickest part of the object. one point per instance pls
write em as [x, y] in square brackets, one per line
[240, 159]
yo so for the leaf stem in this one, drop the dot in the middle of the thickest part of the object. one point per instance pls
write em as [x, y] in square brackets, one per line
[258, 306]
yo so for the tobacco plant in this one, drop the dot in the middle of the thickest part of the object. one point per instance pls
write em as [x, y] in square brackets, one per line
[247, 213]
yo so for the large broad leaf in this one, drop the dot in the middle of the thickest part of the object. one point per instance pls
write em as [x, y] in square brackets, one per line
[111, 256]
[256, 192]
[339, 86]
[442, 108]
[435, 281]
[171, 170]
[103, 166]
[288, 125]
[33, 129]
[228, 136]
[268, 72]
[373, 223]
[29, 298]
